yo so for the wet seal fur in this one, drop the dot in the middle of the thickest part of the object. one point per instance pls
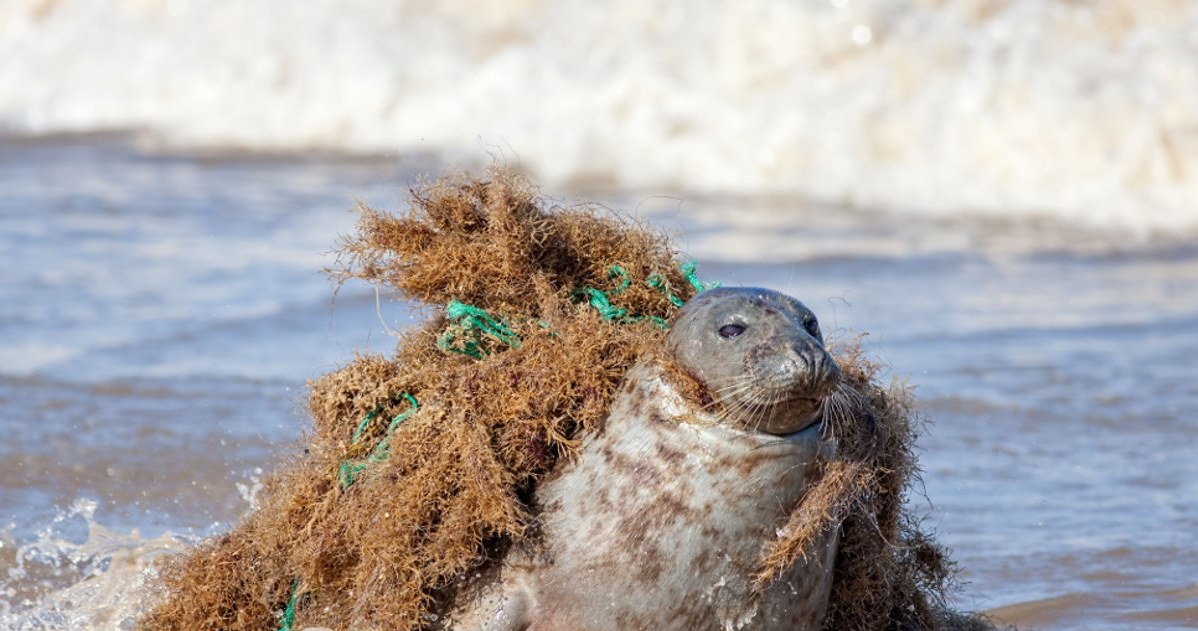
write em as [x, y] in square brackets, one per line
[661, 521]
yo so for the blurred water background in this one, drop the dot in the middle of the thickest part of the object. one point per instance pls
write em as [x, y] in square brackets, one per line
[1004, 195]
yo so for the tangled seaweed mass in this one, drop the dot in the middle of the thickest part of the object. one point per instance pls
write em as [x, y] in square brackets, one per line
[421, 468]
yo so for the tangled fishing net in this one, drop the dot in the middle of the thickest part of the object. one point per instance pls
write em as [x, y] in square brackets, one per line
[420, 468]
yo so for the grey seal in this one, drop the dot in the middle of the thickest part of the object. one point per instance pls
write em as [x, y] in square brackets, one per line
[662, 519]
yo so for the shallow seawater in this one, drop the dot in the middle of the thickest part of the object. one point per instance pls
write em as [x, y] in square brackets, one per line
[159, 316]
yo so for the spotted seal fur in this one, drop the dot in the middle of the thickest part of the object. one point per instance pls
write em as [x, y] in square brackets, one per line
[661, 521]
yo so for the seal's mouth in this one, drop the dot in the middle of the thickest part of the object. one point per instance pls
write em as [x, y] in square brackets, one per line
[809, 413]
[804, 404]
[816, 422]
[788, 417]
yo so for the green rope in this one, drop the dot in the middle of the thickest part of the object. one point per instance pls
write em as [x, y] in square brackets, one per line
[350, 470]
[625, 279]
[657, 282]
[601, 300]
[602, 304]
[366, 421]
[348, 473]
[689, 270]
[287, 620]
[470, 327]
[661, 322]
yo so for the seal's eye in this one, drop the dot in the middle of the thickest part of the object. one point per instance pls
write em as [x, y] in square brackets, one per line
[729, 331]
[811, 325]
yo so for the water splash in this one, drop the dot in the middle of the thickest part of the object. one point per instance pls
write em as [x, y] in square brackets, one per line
[54, 583]
[249, 490]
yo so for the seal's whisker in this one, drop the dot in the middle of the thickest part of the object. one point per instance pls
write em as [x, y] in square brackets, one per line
[741, 407]
[832, 410]
[770, 407]
[762, 404]
[735, 379]
[735, 392]
[838, 408]
[750, 407]
[740, 384]
[827, 410]
[733, 389]
[731, 396]
[731, 408]
[726, 394]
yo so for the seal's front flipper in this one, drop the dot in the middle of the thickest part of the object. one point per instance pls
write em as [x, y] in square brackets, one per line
[503, 605]
[511, 614]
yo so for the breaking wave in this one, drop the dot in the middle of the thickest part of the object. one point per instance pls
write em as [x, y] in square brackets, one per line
[1081, 113]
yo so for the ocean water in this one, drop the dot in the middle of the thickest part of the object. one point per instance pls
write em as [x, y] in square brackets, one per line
[160, 314]
[1002, 195]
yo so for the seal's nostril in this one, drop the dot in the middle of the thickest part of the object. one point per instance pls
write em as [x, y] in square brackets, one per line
[807, 354]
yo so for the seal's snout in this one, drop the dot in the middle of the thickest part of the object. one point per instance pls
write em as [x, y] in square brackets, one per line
[802, 365]
[811, 362]
[800, 370]
[820, 372]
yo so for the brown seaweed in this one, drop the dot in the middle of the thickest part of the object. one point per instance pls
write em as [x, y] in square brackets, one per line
[420, 467]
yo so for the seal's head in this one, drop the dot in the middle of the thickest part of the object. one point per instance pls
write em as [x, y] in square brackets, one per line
[760, 353]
